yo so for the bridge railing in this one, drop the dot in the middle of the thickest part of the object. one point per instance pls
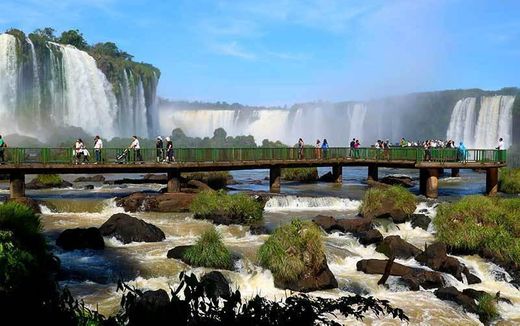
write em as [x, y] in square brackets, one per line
[122, 155]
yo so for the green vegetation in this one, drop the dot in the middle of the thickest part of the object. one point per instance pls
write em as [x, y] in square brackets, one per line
[477, 222]
[51, 180]
[487, 308]
[293, 249]
[509, 181]
[240, 208]
[209, 251]
[300, 174]
[376, 197]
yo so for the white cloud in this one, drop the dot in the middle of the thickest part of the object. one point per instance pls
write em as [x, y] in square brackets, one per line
[233, 49]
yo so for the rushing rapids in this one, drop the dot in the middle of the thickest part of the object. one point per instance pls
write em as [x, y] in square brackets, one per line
[50, 84]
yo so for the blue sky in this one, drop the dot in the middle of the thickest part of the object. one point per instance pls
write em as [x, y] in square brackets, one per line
[276, 52]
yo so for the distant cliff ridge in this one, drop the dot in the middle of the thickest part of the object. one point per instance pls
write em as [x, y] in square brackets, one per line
[51, 82]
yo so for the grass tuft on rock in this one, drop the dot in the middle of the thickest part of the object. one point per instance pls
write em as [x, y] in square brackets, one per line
[375, 198]
[239, 207]
[300, 174]
[209, 251]
[293, 249]
[487, 308]
[475, 223]
[509, 181]
[50, 180]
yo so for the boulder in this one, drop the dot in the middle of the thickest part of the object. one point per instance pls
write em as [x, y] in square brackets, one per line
[29, 202]
[178, 252]
[131, 203]
[403, 181]
[389, 209]
[327, 223]
[167, 202]
[155, 177]
[199, 185]
[421, 221]
[88, 187]
[257, 229]
[369, 237]
[356, 225]
[150, 308]
[128, 229]
[452, 294]
[79, 238]
[95, 178]
[394, 246]
[36, 185]
[321, 279]
[215, 285]
[377, 266]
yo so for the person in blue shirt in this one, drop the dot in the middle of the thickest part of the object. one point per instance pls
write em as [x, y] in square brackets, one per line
[461, 152]
[324, 148]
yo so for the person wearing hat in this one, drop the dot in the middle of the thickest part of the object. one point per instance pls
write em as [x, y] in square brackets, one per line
[169, 150]
[160, 149]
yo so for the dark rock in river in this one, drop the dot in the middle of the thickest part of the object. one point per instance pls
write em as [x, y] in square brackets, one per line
[394, 246]
[34, 205]
[327, 177]
[257, 229]
[199, 185]
[178, 252]
[421, 221]
[128, 229]
[404, 181]
[36, 185]
[389, 208]
[322, 279]
[78, 238]
[215, 285]
[95, 178]
[167, 202]
[88, 187]
[452, 294]
[151, 308]
[369, 237]
[356, 225]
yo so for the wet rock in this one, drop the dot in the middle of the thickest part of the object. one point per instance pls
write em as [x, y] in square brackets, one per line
[322, 279]
[199, 185]
[356, 225]
[421, 221]
[36, 185]
[369, 237]
[327, 177]
[377, 266]
[394, 246]
[151, 308]
[128, 229]
[390, 209]
[131, 203]
[178, 252]
[88, 187]
[258, 229]
[79, 238]
[256, 182]
[452, 294]
[327, 223]
[33, 204]
[471, 278]
[403, 181]
[94, 178]
[215, 285]
[423, 279]
[167, 202]
[155, 177]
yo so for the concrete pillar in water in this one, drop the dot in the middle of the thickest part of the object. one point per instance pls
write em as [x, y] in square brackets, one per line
[455, 172]
[17, 185]
[275, 174]
[373, 174]
[337, 173]
[174, 181]
[429, 182]
[491, 181]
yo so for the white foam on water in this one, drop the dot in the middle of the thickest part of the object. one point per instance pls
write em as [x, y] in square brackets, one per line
[295, 203]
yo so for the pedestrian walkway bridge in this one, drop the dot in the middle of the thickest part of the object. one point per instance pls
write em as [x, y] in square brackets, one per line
[21, 161]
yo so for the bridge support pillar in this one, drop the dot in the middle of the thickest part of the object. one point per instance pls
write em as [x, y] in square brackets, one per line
[275, 175]
[429, 182]
[373, 174]
[17, 185]
[174, 181]
[337, 173]
[491, 181]
[455, 172]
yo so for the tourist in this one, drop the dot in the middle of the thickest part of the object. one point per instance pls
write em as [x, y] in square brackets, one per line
[427, 151]
[300, 148]
[500, 144]
[352, 147]
[159, 149]
[461, 152]
[137, 148]
[169, 150]
[325, 148]
[357, 144]
[98, 146]
[317, 150]
[78, 150]
[403, 142]
[3, 145]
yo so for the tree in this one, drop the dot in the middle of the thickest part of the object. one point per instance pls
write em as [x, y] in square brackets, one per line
[73, 37]
[46, 33]
[110, 49]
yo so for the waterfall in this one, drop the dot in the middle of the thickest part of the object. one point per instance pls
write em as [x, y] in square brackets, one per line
[494, 121]
[358, 112]
[8, 80]
[36, 79]
[462, 122]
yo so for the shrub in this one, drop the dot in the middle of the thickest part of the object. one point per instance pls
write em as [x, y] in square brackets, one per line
[300, 174]
[239, 207]
[400, 197]
[24, 225]
[15, 263]
[479, 222]
[509, 181]
[51, 180]
[487, 308]
[293, 249]
[209, 251]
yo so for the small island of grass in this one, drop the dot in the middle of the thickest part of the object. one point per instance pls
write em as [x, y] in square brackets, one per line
[209, 251]
[395, 202]
[300, 174]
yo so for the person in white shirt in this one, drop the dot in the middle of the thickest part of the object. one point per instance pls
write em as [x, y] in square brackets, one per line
[98, 146]
[500, 144]
[137, 148]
